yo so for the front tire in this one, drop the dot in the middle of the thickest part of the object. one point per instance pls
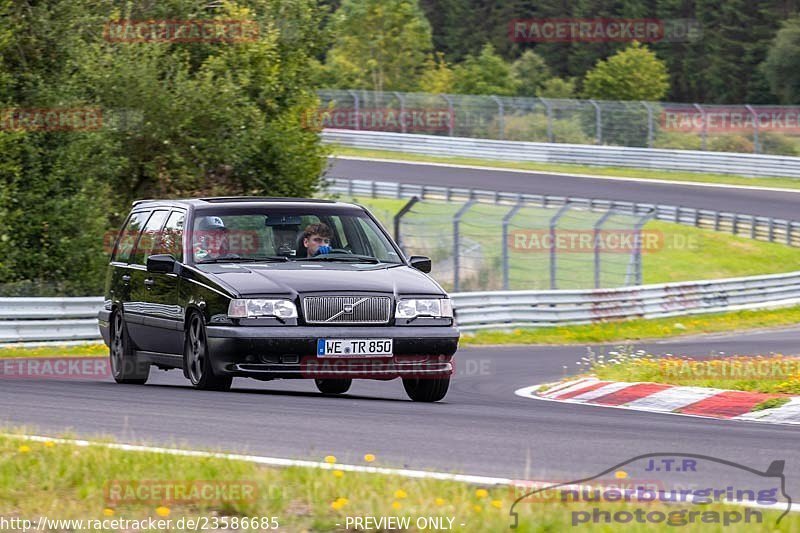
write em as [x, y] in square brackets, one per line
[333, 386]
[125, 365]
[426, 389]
[196, 360]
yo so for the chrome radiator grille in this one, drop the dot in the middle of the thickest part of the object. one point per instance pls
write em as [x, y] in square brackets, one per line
[347, 309]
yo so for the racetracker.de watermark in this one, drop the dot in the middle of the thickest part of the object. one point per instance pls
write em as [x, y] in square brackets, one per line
[730, 119]
[181, 492]
[51, 119]
[602, 30]
[180, 31]
[55, 368]
[602, 240]
[381, 119]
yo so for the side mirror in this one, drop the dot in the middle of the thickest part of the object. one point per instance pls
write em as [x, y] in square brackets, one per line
[420, 262]
[162, 264]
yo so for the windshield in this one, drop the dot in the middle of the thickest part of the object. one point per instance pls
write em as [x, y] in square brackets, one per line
[285, 235]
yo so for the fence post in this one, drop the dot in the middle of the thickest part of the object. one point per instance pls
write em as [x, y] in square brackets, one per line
[549, 119]
[756, 147]
[500, 117]
[402, 99]
[705, 124]
[553, 221]
[450, 112]
[598, 123]
[457, 243]
[650, 129]
[506, 221]
[596, 245]
[355, 108]
[637, 249]
[399, 217]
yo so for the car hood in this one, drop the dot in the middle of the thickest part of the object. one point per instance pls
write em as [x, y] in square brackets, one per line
[291, 279]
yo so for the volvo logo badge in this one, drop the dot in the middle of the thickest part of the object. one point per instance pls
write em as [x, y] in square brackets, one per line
[348, 309]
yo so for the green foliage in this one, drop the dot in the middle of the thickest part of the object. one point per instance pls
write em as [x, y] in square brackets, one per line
[632, 74]
[531, 72]
[438, 77]
[782, 65]
[557, 88]
[485, 73]
[730, 143]
[178, 119]
[379, 45]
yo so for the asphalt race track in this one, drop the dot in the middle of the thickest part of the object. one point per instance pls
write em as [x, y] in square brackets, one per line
[480, 428]
[778, 204]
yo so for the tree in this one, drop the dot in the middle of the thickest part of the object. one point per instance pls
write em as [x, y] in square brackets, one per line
[486, 73]
[379, 45]
[557, 88]
[782, 66]
[178, 119]
[632, 74]
[438, 76]
[531, 73]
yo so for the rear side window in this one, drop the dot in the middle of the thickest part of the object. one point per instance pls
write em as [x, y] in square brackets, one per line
[127, 240]
[149, 237]
[171, 238]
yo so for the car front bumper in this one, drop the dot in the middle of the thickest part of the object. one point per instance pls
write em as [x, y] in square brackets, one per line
[290, 352]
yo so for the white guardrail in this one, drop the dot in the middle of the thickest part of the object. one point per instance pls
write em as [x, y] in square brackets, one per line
[614, 156]
[69, 319]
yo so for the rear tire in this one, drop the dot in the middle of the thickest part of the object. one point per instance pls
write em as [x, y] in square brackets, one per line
[125, 365]
[333, 386]
[426, 389]
[196, 361]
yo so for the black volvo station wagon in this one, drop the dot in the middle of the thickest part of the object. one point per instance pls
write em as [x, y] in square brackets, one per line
[273, 288]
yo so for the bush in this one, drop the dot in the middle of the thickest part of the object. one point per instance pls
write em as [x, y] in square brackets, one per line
[730, 143]
[678, 141]
[533, 127]
[778, 143]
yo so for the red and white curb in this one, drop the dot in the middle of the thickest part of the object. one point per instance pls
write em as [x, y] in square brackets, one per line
[662, 398]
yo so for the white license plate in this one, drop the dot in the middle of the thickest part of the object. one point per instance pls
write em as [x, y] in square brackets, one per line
[354, 347]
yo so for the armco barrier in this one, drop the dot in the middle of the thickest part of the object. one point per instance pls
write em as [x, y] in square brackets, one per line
[477, 310]
[613, 156]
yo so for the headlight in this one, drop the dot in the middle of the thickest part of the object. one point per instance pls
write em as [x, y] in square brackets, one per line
[257, 307]
[439, 308]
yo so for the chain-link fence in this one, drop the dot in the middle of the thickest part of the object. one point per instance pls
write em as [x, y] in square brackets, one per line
[483, 246]
[744, 128]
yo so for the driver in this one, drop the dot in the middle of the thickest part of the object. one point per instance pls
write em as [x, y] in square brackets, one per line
[210, 239]
[317, 239]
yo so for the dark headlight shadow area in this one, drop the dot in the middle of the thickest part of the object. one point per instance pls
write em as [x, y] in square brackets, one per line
[775, 470]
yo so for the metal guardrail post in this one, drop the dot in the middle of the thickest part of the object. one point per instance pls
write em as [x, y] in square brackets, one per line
[399, 217]
[705, 125]
[553, 221]
[596, 245]
[457, 243]
[500, 117]
[506, 221]
[402, 99]
[354, 95]
[650, 128]
[451, 112]
[756, 147]
[549, 109]
[598, 123]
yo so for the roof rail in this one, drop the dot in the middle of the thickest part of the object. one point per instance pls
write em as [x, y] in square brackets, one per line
[213, 199]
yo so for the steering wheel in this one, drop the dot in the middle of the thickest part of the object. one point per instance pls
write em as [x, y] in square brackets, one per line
[340, 251]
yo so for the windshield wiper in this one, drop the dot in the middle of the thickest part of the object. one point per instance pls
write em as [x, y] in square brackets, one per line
[350, 258]
[266, 258]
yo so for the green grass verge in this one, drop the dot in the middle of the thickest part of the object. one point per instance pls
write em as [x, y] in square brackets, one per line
[62, 481]
[685, 253]
[728, 179]
[772, 403]
[53, 350]
[773, 374]
[634, 330]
